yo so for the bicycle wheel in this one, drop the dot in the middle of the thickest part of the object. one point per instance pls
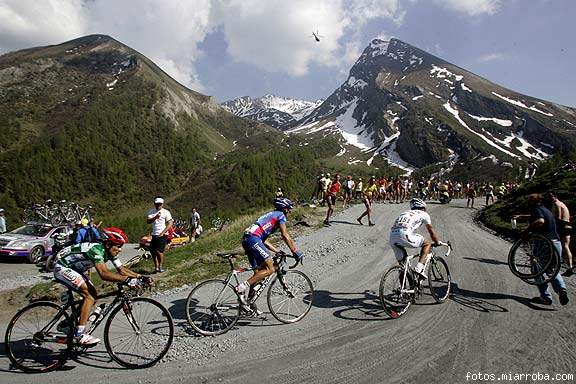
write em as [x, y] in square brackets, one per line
[549, 274]
[138, 333]
[212, 308]
[290, 296]
[532, 257]
[439, 279]
[33, 342]
[394, 301]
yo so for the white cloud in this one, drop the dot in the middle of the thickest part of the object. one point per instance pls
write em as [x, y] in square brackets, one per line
[491, 57]
[32, 23]
[273, 35]
[471, 7]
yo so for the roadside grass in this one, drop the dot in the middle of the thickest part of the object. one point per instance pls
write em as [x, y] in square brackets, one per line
[191, 263]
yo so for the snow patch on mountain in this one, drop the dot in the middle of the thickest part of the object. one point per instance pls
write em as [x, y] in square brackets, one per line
[443, 73]
[521, 104]
[502, 122]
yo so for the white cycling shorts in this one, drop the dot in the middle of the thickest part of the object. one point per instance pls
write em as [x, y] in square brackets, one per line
[404, 239]
[69, 277]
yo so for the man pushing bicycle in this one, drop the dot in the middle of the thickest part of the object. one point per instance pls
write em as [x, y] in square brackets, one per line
[73, 263]
[257, 245]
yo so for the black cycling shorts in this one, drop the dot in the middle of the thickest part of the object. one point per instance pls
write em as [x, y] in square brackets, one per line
[158, 244]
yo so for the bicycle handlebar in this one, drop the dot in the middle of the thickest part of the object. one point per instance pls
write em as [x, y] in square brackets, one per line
[283, 255]
[442, 244]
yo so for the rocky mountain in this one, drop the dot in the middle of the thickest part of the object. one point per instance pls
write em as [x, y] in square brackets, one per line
[94, 119]
[414, 109]
[278, 112]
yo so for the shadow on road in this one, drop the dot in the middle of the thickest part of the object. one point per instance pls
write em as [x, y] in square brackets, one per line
[481, 301]
[487, 261]
[343, 222]
[361, 306]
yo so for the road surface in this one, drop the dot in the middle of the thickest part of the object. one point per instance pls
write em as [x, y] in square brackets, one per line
[488, 326]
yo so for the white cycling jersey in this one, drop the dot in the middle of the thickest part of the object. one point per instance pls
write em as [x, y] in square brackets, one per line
[410, 221]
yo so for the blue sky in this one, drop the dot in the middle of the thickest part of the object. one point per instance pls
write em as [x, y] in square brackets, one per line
[232, 48]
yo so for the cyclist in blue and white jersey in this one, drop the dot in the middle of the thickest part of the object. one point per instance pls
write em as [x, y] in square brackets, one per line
[257, 246]
[403, 233]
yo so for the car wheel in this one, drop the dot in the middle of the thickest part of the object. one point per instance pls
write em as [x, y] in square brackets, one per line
[35, 254]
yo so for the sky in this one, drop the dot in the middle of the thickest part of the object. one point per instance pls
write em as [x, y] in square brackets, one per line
[233, 48]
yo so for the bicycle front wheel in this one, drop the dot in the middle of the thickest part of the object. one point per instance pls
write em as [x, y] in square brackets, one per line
[439, 279]
[138, 333]
[33, 342]
[212, 308]
[290, 296]
[396, 294]
[532, 257]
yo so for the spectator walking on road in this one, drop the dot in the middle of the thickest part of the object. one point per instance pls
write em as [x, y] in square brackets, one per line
[2, 221]
[358, 194]
[542, 222]
[562, 216]
[161, 221]
[370, 193]
[331, 196]
[194, 223]
[348, 190]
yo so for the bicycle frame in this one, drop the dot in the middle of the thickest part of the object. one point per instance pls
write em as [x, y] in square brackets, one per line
[407, 267]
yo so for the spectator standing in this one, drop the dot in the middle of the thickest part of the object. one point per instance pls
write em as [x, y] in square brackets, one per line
[317, 195]
[542, 222]
[358, 194]
[470, 195]
[489, 193]
[325, 185]
[348, 190]
[562, 216]
[87, 233]
[194, 223]
[161, 221]
[2, 221]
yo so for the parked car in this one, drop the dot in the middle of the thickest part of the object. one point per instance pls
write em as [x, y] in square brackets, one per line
[32, 241]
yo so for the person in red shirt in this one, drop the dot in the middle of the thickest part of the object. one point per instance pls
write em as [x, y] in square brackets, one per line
[330, 198]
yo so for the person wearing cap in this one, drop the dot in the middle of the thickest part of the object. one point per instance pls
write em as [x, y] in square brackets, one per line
[87, 233]
[2, 221]
[161, 220]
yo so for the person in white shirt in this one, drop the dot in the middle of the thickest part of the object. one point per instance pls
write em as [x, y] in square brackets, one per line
[2, 221]
[403, 234]
[161, 221]
[194, 223]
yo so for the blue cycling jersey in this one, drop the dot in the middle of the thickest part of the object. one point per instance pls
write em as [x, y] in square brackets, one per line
[266, 224]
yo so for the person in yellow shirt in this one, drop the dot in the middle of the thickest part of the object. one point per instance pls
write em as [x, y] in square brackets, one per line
[370, 193]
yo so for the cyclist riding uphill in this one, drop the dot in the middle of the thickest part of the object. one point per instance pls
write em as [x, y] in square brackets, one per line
[257, 246]
[73, 263]
[403, 234]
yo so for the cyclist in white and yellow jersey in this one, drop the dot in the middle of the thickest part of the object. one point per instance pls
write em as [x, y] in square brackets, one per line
[75, 261]
[403, 233]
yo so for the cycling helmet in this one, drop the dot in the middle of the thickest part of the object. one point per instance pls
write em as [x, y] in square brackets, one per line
[282, 203]
[416, 203]
[115, 236]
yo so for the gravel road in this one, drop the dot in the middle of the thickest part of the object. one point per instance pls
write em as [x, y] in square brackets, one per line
[16, 273]
[488, 325]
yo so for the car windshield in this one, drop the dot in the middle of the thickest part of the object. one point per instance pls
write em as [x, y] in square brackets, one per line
[32, 230]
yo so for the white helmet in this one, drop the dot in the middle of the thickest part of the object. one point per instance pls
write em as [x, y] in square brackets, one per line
[417, 204]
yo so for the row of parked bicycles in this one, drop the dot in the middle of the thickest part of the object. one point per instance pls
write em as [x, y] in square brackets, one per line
[139, 330]
[56, 213]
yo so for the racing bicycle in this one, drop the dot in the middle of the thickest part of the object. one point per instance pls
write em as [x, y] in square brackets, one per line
[213, 306]
[137, 334]
[534, 259]
[400, 284]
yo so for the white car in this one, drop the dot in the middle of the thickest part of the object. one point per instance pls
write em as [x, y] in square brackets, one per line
[32, 241]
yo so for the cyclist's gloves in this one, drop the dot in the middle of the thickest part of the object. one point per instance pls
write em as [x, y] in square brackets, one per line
[299, 255]
[133, 282]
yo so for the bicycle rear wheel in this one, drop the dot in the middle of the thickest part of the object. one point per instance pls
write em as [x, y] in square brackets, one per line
[33, 343]
[394, 301]
[212, 307]
[439, 279]
[290, 296]
[138, 333]
[532, 257]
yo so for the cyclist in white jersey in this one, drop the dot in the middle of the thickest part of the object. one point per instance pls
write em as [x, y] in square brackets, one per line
[403, 233]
